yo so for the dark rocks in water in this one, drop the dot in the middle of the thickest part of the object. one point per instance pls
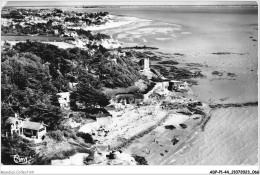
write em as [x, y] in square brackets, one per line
[217, 73]
[231, 74]
[177, 73]
[166, 151]
[172, 105]
[185, 113]
[222, 53]
[179, 54]
[192, 104]
[171, 127]
[196, 65]
[192, 82]
[183, 126]
[227, 53]
[174, 141]
[168, 62]
[140, 160]
[137, 47]
[223, 99]
[196, 110]
[254, 40]
[213, 106]
[182, 73]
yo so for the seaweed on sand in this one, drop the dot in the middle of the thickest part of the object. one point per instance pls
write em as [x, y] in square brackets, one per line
[171, 127]
[174, 141]
[140, 160]
[183, 126]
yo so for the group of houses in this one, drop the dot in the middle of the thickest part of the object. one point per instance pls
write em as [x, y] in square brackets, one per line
[36, 130]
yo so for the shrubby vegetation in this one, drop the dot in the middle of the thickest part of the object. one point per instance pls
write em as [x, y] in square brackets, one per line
[12, 146]
[56, 135]
[33, 73]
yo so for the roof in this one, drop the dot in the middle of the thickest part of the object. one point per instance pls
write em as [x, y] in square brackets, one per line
[63, 93]
[32, 125]
[11, 120]
[125, 95]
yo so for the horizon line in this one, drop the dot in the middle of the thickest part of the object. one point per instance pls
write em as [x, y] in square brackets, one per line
[126, 3]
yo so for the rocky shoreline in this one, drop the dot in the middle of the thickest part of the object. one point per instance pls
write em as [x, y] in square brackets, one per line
[233, 105]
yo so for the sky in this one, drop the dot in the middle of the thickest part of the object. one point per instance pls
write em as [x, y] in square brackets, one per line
[122, 2]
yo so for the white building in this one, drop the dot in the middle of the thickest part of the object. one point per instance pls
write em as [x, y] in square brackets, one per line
[64, 100]
[146, 64]
[73, 86]
[28, 129]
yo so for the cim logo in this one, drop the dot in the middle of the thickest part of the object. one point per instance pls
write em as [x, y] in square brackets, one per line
[23, 160]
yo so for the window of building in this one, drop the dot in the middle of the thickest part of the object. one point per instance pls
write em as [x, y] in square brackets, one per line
[41, 129]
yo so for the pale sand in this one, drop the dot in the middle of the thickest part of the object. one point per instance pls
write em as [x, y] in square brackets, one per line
[76, 159]
[159, 141]
[113, 22]
[131, 123]
[61, 45]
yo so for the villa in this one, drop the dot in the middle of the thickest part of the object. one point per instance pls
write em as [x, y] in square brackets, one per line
[28, 129]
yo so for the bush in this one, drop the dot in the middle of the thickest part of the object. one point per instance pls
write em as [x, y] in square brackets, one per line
[14, 145]
[87, 137]
[69, 153]
[69, 134]
[56, 135]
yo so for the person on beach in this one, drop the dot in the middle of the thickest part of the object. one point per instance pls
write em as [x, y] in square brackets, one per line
[147, 151]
